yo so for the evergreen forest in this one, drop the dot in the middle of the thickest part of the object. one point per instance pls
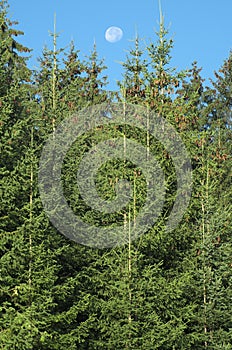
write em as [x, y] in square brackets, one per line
[164, 290]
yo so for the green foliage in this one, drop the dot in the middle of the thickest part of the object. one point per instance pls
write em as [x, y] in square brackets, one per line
[161, 291]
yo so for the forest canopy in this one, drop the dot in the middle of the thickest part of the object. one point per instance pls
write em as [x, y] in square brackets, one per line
[165, 289]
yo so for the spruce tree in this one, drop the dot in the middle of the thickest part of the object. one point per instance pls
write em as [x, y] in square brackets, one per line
[16, 128]
[133, 85]
[215, 194]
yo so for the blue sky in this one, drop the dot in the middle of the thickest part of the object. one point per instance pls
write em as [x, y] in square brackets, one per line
[201, 29]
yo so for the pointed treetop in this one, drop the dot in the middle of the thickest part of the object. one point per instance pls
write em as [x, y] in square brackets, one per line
[54, 22]
[94, 45]
[161, 14]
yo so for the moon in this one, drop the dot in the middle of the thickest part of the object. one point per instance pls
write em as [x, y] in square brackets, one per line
[113, 34]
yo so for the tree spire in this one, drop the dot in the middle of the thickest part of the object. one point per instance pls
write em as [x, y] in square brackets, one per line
[161, 14]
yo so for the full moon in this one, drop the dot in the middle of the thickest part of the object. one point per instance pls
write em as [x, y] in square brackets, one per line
[113, 34]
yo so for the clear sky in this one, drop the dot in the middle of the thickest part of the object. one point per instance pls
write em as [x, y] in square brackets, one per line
[201, 29]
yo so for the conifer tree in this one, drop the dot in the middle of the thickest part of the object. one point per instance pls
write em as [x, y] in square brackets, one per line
[215, 191]
[71, 80]
[16, 126]
[205, 217]
[133, 85]
[94, 81]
